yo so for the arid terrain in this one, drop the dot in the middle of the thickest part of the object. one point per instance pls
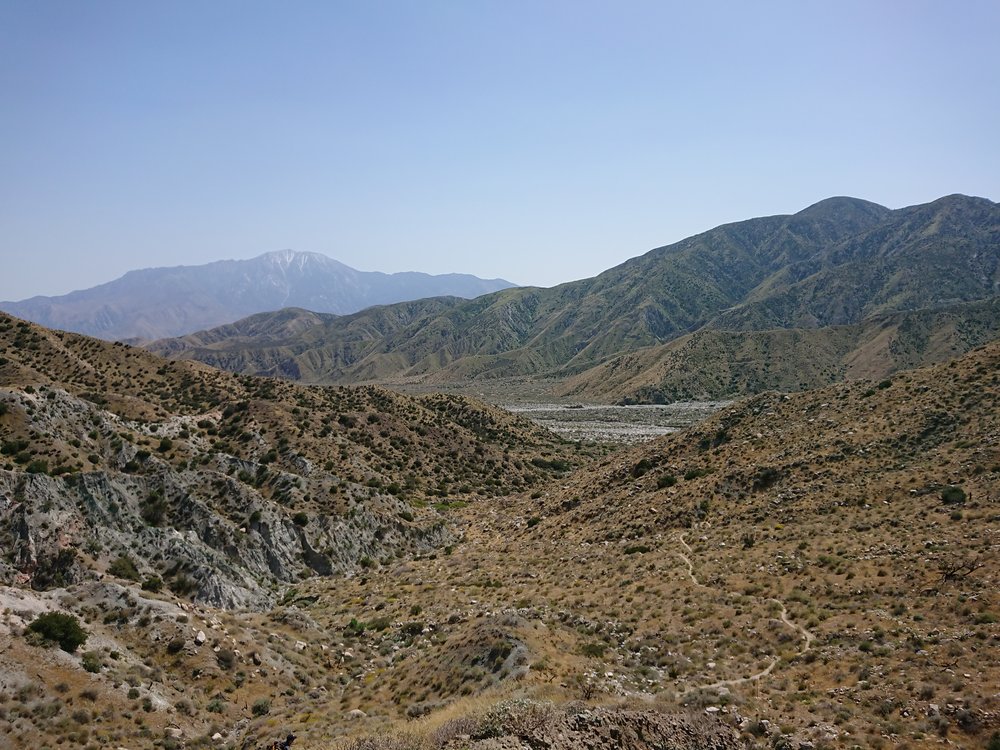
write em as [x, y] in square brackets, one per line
[251, 557]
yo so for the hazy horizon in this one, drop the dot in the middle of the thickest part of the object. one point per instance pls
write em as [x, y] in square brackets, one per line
[534, 142]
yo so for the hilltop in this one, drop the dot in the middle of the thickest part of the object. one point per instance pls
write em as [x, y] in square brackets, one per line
[156, 302]
[842, 289]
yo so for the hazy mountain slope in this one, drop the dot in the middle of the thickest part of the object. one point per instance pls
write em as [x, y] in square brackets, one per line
[157, 302]
[838, 262]
[712, 364]
[224, 486]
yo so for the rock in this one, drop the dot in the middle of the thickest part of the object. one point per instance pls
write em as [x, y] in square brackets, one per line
[356, 713]
[300, 645]
[256, 658]
[217, 737]
[200, 638]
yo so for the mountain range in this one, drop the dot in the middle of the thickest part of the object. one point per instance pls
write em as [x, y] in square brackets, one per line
[842, 289]
[157, 302]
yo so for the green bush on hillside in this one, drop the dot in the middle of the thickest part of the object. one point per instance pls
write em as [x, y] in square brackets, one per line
[61, 628]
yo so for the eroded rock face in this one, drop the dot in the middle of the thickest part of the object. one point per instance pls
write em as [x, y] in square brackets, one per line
[189, 528]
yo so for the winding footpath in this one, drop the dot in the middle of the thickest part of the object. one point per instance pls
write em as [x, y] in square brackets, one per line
[807, 636]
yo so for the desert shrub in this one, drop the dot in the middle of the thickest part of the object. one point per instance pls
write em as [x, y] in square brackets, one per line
[412, 629]
[765, 479]
[38, 466]
[226, 659]
[952, 495]
[696, 474]
[666, 480]
[637, 549]
[517, 717]
[300, 519]
[55, 570]
[396, 741]
[641, 467]
[61, 628]
[92, 661]
[176, 645]
[261, 707]
[153, 583]
[182, 585]
[124, 567]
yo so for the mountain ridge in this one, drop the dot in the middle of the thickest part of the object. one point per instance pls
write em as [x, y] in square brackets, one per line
[152, 303]
[838, 262]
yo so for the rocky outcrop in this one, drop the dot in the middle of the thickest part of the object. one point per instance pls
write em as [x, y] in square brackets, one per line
[526, 724]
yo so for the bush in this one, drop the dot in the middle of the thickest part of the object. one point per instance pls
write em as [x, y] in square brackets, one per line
[61, 628]
[261, 707]
[124, 567]
[641, 468]
[666, 480]
[92, 661]
[953, 495]
[300, 519]
[153, 583]
[176, 645]
[226, 659]
[38, 466]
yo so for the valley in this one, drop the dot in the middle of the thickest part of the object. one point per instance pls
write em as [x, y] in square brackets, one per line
[588, 421]
[740, 492]
[367, 569]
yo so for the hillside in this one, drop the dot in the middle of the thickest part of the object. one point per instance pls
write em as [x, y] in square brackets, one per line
[158, 302]
[842, 262]
[816, 568]
[221, 486]
[713, 363]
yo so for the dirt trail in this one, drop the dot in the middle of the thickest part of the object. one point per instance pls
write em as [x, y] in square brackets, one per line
[807, 636]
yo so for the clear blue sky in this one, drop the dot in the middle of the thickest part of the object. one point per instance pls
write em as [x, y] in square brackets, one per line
[537, 141]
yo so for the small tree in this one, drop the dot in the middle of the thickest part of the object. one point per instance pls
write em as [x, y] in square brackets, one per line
[61, 628]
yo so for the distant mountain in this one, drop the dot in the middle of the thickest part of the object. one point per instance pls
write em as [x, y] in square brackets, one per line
[158, 302]
[844, 288]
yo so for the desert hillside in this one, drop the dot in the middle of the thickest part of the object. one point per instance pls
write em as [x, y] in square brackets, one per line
[811, 569]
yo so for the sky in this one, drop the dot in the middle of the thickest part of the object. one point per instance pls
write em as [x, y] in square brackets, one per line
[533, 140]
